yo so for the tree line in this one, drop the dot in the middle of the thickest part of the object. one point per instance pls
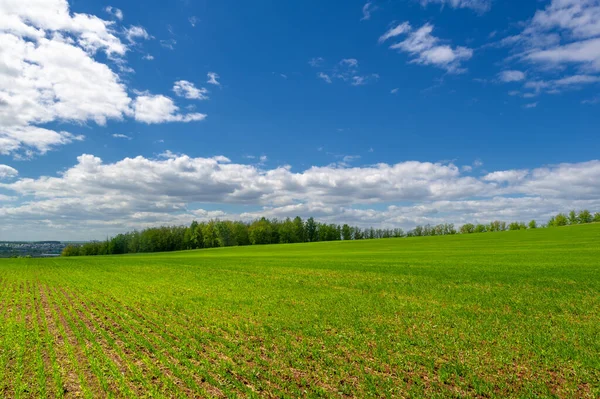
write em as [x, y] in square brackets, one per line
[226, 233]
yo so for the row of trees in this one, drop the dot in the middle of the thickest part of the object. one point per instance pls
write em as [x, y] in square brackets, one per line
[573, 217]
[225, 233]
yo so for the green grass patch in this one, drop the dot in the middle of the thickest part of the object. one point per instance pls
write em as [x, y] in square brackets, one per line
[511, 314]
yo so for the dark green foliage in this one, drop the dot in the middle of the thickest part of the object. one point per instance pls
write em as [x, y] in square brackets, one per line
[468, 228]
[561, 220]
[573, 217]
[311, 230]
[517, 226]
[533, 224]
[347, 232]
[70, 250]
[585, 217]
[225, 233]
[481, 228]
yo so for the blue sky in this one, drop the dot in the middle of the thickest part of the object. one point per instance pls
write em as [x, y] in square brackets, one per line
[383, 113]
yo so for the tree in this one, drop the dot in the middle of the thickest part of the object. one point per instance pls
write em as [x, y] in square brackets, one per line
[533, 224]
[210, 237]
[287, 232]
[224, 235]
[517, 226]
[481, 228]
[572, 217]
[346, 232]
[585, 217]
[239, 230]
[358, 233]
[597, 217]
[311, 230]
[70, 250]
[561, 220]
[260, 232]
[300, 232]
[467, 228]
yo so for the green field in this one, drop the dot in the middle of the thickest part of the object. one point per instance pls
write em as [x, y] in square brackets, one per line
[511, 314]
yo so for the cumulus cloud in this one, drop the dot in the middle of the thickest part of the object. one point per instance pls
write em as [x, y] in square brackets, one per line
[7, 172]
[511, 76]
[427, 49]
[115, 12]
[121, 136]
[509, 176]
[186, 89]
[158, 109]
[137, 192]
[51, 71]
[136, 32]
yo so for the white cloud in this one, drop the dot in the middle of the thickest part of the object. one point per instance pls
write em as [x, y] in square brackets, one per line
[324, 76]
[506, 176]
[477, 5]
[316, 62]
[186, 89]
[212, 79]
[148, 57]
[24, 19]
[426, 49]
[121, 136]
[115, 12]
[136, 32]
[139, 192]
[358, 80]
[7, 172]
[591, 101]
[585, 53]
[51, 80]
[159, 109]
[511, 76]
[168, 43]
[367, 9]
[579, 18]
[396, 31]
[349, 62]
[530, 105]
[51, 72]
[394, 91]
[347, 70]
[558, 85]
[193, 21]
[563, 34]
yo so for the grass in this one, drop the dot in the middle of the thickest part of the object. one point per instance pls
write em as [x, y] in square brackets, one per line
[513, 314]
